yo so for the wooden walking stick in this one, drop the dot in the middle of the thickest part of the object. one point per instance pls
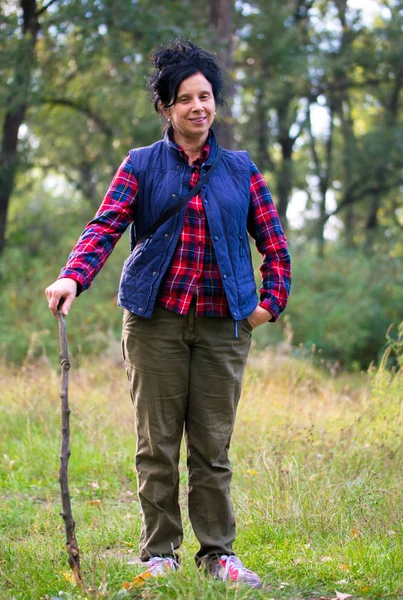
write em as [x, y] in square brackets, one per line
[69, 523]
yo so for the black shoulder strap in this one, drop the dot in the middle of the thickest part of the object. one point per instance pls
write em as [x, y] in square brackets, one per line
[181, 203]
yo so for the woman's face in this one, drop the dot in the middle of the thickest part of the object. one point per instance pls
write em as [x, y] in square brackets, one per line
[193, 112]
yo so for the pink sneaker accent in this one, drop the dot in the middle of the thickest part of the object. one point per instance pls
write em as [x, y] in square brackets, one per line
[233, 569]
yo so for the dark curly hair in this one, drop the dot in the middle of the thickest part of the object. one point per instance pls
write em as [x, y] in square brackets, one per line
[176, 61]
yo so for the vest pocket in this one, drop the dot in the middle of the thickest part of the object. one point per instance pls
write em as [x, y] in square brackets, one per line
[136, 253]
[147, 241]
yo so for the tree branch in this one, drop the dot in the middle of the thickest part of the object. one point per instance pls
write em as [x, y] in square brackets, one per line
[80, 108]
[361, 195]
[44, 8]
[340, 86]
[71, 541]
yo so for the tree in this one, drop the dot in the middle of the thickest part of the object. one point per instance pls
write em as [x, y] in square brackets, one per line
[77, 84]
[275, 76]
[222, 21]
[16, 101]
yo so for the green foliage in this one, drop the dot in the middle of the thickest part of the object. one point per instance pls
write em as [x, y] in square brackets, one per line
[342, 305]
[40, 238]
[87, 103]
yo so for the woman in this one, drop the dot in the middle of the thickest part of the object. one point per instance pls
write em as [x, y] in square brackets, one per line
[190, 304]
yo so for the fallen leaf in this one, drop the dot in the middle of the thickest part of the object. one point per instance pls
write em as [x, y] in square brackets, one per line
[341, 596]
[355, 532]
[95, 502]
[344, 567]
[69, 576]
[137, 582]
[326, 559]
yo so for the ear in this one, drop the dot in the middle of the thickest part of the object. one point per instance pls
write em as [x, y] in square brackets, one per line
[164, 111]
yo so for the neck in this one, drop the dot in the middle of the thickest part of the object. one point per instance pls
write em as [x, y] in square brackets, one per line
[192, 147]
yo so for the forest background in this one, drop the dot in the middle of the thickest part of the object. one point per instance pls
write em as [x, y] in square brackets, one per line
[313, 93]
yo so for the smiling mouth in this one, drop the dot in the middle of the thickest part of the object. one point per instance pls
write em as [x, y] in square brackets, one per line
[198, 120]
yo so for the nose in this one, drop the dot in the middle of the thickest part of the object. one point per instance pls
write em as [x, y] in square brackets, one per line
[197, 105]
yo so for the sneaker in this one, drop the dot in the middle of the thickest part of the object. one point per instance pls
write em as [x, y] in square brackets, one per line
[157, 566]
[231, 568]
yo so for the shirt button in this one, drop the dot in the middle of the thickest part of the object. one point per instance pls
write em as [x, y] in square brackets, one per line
[154, 273]
[216, 237]
[224, 277]
[165, 235]
[140, 309]
[173, 195]
[206, 202]
[198, 271]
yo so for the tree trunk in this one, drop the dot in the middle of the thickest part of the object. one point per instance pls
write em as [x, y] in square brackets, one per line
[347, 127]
[284, 177]
[221, 19]
[322, 171]
[17, 105]
[284, 184]
[262, 132]
[347, 123]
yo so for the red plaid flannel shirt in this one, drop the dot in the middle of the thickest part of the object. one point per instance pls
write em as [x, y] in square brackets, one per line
[193, 271]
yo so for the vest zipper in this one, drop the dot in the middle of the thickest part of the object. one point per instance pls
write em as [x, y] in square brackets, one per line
[241, 245]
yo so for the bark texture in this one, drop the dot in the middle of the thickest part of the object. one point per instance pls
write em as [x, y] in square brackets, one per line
[71, 541]
[221, 19]
[16, 109]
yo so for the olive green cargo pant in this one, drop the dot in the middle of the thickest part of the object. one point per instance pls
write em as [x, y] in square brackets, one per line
[185, 373]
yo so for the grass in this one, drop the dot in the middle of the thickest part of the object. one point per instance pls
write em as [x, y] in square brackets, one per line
[318, 474]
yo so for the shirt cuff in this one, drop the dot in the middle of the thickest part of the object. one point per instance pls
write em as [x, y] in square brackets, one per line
[270, 306]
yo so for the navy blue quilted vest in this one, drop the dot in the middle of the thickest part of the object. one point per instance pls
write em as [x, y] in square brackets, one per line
[163, 176]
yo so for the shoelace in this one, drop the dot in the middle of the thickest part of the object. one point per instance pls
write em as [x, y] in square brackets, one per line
[158, 560]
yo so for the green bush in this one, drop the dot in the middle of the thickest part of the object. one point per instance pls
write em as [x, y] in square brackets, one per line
[342, 304]
[38, 245]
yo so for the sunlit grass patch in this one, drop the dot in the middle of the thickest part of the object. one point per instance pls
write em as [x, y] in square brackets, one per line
[317, 460]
